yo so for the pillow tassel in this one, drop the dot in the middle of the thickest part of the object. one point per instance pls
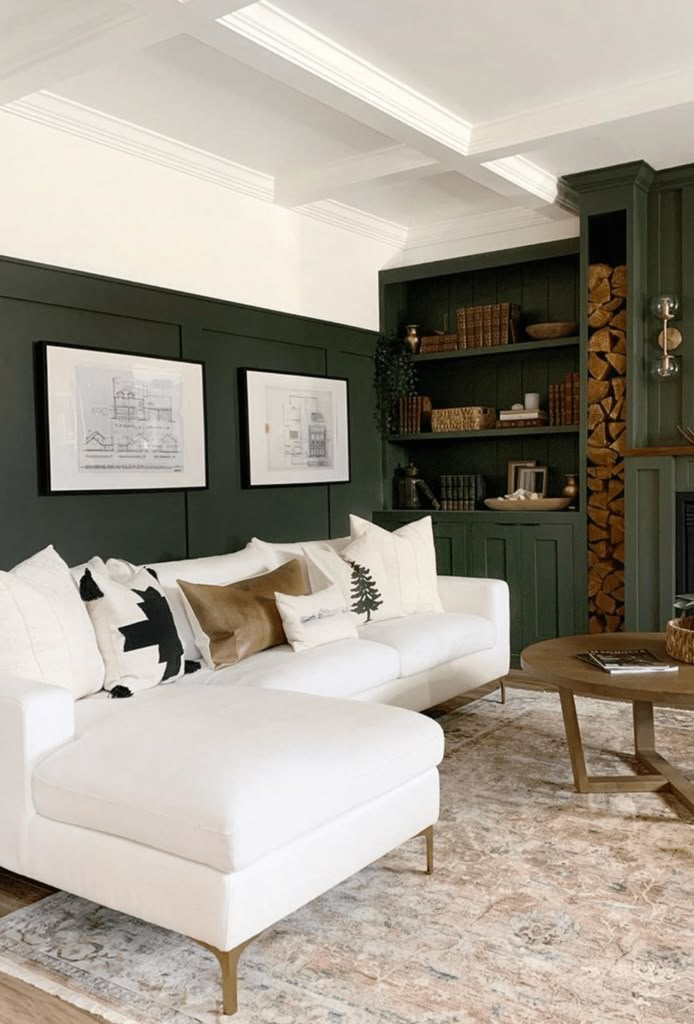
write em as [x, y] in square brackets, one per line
[89, 589]
[121, 691]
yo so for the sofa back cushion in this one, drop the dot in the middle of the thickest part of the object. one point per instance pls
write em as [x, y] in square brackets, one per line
[216, 569]
[45, 632]
[234, 621]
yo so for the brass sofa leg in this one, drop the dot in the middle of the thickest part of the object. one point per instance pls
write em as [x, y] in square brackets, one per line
[428, 834]
[229, 962]
[502, 690]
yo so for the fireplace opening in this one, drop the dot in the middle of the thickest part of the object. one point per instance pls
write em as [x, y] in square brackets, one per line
[684, 544]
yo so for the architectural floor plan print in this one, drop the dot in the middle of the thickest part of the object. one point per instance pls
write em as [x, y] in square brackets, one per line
[128, 422]
[300, 428]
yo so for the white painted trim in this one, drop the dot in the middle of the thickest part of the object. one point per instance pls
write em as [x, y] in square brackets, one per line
[76, 119]
[292, 40]
[527, 175]
[105, 130]
[320, 181]
[532, 127]
[512, 218]
[342, 216]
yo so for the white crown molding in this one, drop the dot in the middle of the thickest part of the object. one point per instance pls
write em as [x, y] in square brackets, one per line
[341, 216]
[292, 40]
[76, 119]
[512, 218]
[105, 130]
[527, 175]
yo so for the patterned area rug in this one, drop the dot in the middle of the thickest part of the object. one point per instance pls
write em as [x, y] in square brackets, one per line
[546, 907]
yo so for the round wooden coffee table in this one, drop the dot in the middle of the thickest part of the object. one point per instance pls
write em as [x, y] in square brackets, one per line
[554, 661]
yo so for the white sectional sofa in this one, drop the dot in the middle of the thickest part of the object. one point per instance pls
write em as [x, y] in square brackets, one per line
[219, 803]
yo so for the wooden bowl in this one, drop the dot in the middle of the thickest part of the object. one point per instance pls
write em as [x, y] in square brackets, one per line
[561, 329]
[528, 504]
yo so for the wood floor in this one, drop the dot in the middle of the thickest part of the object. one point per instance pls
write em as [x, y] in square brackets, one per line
[23, 1004]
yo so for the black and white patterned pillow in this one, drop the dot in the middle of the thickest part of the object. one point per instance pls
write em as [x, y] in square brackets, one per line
[134, 626]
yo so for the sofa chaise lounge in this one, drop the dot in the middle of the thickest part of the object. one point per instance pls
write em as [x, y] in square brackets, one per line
[218, 804]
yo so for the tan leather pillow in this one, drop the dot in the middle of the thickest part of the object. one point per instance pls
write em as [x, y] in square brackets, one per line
[240, 619]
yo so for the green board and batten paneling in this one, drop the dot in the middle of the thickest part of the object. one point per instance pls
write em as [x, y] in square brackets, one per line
[44, 303]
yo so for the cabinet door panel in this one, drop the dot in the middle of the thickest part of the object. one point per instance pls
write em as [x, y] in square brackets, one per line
[495, 553]
[547, 559]
[450, 541]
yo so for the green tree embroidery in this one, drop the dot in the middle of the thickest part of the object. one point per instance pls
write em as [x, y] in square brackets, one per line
[366, 597]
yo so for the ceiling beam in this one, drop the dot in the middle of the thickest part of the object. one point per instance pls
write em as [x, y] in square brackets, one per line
[533, 128]
[69, 40]
[279, 45]
[315, 182]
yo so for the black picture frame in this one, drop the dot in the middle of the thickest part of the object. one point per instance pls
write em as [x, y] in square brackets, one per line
[57, 476]
[254, 475]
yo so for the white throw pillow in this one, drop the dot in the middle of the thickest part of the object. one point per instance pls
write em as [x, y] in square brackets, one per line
[316, 619]
[277, 554]
[409, 559]
[215, 569]
[361, 577]
[133, 623]
[45, 632]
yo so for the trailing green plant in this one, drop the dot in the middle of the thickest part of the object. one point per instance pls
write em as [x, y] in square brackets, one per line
[395, 377]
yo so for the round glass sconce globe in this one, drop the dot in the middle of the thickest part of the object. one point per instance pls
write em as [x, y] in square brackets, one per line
[665, 307]
[666, 367]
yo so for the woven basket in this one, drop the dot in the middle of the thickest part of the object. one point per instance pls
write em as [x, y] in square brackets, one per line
[467, 417]
[679, 639]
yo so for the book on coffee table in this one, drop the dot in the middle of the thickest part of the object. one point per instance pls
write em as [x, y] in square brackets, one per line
[633, 660]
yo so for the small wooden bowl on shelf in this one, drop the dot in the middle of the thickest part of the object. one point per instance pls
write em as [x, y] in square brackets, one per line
[560, 329]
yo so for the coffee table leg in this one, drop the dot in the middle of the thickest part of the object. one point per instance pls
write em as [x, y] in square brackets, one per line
[574, 741]
[644, 729]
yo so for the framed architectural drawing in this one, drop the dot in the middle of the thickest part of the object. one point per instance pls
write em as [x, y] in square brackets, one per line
[295, 428]
[115, 421]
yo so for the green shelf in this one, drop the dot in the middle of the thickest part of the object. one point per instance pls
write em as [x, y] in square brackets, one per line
[498, 350]
[475, 435]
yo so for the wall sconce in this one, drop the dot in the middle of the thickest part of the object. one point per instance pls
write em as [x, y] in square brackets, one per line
[665, 308]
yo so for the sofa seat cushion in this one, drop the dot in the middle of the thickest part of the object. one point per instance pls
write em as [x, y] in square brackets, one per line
[344, 668]
[424, 641]
[225, 775]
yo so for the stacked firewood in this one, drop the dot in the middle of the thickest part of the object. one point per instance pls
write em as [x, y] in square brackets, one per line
[607, 363]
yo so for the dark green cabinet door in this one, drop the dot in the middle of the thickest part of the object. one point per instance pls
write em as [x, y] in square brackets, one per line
[547, 561]
[495, 553]
[450, 541]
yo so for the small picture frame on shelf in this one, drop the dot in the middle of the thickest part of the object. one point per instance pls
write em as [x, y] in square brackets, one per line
[514, 468]
[534, 480]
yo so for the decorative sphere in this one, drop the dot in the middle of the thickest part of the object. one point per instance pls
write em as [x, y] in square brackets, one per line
[665, 307]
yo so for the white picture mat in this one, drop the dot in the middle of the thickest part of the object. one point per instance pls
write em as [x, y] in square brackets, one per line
[71, 418]
[267, 397]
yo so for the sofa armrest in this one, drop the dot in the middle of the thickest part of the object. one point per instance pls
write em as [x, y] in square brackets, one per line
[477, 596]
[35, 719]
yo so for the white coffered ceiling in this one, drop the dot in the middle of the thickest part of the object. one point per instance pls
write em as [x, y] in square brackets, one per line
[400, 119]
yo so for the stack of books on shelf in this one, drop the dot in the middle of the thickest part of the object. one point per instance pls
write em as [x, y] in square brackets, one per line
[415, 414]
[565, 402]
[438, 343]
[487, 326]
[462, 492]
[522, 418]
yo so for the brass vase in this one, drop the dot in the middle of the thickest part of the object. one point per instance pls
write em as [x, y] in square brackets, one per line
[570, 489]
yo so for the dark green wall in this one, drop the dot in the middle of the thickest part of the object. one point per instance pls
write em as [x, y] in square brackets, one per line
[47, 304]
